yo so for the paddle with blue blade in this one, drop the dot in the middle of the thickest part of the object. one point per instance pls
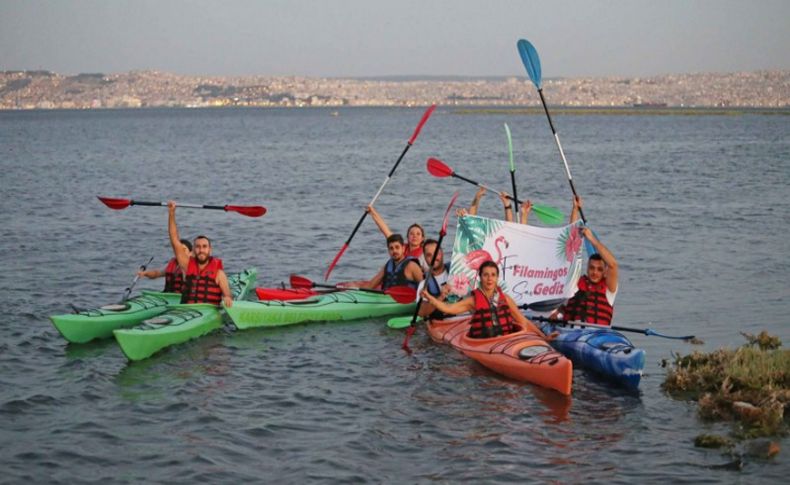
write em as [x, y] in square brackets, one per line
[547, 214]
[401, 294]
[512, 169]
[245, 210]
[531, 61]
[643, 331]
[411, 141]
[442, 233]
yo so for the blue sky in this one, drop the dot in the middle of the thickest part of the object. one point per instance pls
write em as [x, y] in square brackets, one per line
[404, 37]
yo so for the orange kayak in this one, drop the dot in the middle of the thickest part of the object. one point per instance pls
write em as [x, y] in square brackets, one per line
[522, 355]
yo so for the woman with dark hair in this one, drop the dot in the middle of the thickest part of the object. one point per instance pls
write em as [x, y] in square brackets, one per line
[493, 312]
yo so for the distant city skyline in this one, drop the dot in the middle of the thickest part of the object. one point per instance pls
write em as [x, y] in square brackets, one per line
[358, 38]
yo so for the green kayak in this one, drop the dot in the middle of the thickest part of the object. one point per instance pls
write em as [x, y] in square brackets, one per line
[341, 305]
[94, 323]
[179, 323]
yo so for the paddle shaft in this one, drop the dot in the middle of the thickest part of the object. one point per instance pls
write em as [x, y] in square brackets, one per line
[128, 290]
[484, 186]
[335, 287]
[643, 331]
[512, 168]
[559, 147]
[180, 204]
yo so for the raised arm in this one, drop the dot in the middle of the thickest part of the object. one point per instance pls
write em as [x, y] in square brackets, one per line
[507, 205]
[525, 208]
[608, 258]
[476, 201]
[383, 227]
[181, 256]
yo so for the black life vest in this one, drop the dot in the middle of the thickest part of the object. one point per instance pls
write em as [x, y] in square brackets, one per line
[201, 286]
[394, 275]
[489, 321]
[174, 277]
[589, 304]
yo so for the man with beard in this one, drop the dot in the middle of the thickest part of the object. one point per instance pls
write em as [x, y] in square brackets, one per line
[436, 281]
[400, 270]
[594, 300]
[205, 280]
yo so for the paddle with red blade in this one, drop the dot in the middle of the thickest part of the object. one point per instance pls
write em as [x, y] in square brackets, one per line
[401, 294]
[411, 141]
[245, 210]
[442, 233]
[545, 213]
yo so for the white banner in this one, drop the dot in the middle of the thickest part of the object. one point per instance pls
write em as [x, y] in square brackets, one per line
[535, 263]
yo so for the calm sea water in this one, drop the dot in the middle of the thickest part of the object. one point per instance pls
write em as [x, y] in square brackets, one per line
[695, 208]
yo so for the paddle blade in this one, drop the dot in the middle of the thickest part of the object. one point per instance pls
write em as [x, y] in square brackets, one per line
[334, 261]
[402, 294]
[425, 117]
[510, 148]
[529, 56]
[399, 322]
[447, 215]
[116, 204]
[437, 168]
[300, 282]
[548, 214]
[249, 211]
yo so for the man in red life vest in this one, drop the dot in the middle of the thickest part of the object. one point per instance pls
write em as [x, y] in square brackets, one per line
[593, 301]
[204, 278]
[400, 270]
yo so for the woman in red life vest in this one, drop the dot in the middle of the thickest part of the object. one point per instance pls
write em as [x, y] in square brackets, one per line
[593, 302]
[174, 277]
[493, 312]
[205, 280]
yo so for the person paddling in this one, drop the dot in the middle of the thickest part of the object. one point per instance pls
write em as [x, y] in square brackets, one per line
[400, 270]
[204, 278]
[174, 277]
[593, 302]
[493, 312]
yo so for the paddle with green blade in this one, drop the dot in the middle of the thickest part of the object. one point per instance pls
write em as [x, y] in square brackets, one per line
[547, 214]
[411, 141]
[512, 170]
[643, 331]
[401, 294]
[245, 210]
[442, 233]
[531, 61]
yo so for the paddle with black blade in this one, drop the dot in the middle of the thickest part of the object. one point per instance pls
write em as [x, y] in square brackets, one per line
[401, 294]
[643, 331]
[442, 233]
[512, 170]
[245, 210]
[547, 214]
[531, 61]
[128, 290]
[411, 141]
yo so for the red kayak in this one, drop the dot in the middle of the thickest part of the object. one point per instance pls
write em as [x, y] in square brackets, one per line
[521, 355]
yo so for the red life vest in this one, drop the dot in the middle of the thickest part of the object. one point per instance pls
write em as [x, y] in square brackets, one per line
[488, 321]
[174, 277]
[201, 286]
[589, 304]
[414, 253]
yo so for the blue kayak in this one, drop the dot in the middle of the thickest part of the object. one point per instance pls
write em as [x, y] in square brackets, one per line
[603, 351]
